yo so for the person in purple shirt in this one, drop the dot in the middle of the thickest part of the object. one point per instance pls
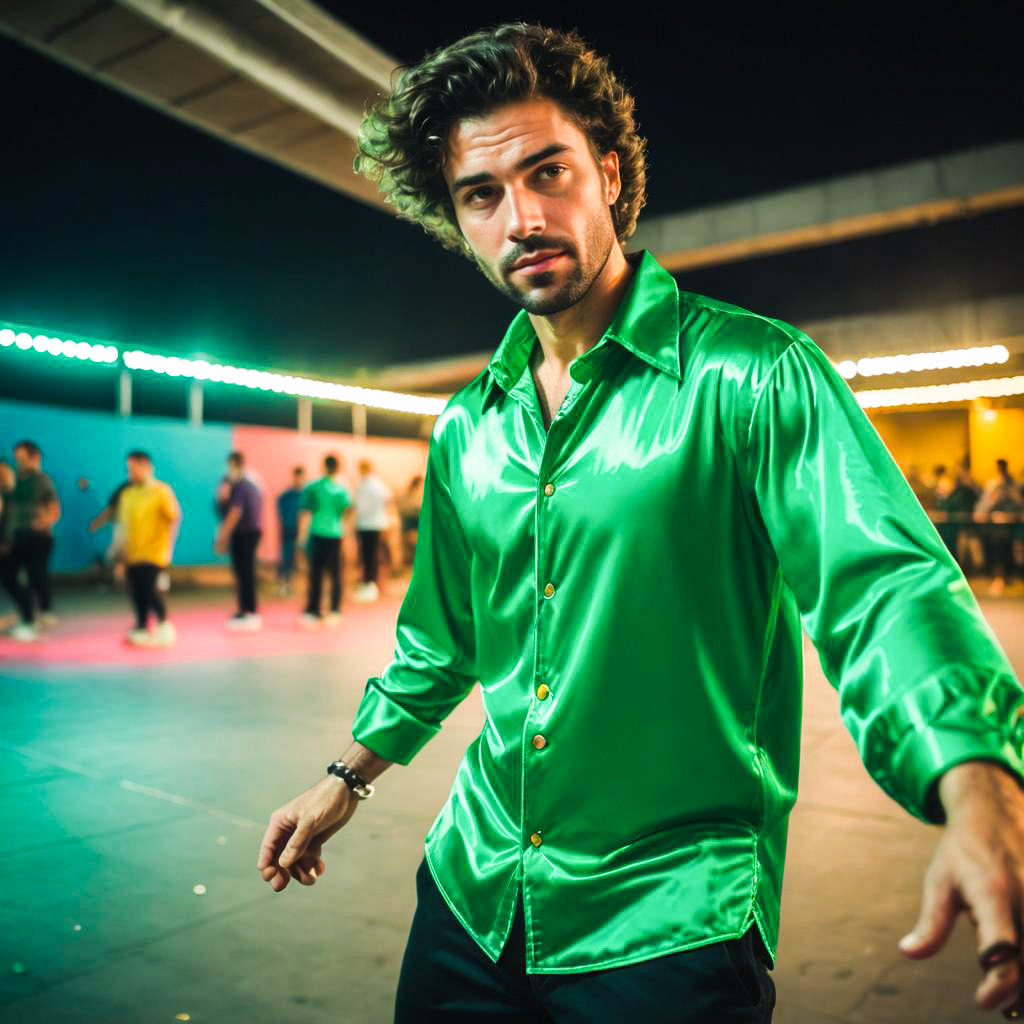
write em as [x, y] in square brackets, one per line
[240, 504]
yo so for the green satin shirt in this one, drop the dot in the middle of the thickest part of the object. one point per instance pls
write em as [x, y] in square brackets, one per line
[628, 587]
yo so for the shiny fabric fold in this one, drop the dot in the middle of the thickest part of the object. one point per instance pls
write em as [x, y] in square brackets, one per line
[629, 589]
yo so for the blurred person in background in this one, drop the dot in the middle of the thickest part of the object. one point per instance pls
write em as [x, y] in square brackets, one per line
[7, 479]
[32, 511]
[409, 505]
[112, 562]
[322, 507]
[918, 485]
[373, 504]
[241, 504]
[149, 517]
[998, 507]
[940, 484]
[288, 523]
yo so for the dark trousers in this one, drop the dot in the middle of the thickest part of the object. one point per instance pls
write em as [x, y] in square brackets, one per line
[243, 564]
[448, 979]
[29, 550]
[141, 580]
[369, 543]
[324, 553]
[998, 544]
[287, 564]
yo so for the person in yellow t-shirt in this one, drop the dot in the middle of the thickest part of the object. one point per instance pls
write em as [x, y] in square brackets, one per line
[149, 514]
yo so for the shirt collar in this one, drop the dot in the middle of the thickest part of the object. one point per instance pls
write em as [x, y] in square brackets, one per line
[646, 323]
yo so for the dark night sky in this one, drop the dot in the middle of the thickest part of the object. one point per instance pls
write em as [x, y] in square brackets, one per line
[124, 224]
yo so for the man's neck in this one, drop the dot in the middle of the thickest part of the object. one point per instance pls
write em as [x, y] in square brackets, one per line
[566, 335]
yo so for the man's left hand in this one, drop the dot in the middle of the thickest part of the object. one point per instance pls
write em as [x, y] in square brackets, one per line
[220, 546]
[978, 867]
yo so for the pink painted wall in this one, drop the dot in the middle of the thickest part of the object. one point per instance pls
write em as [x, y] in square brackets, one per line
[272, 452]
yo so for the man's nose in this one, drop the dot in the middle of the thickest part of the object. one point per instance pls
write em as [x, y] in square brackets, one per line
[525, 213]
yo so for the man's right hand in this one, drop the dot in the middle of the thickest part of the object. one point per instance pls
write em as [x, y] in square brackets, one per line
[297, 831]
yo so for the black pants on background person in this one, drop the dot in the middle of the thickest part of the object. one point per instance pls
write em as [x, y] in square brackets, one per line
[369, 544]
[324, 554]
[243, 564]
[446, 978]
[29, 550]
[141, 580]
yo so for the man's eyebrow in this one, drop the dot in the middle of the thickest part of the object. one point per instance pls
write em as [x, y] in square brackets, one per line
[533, 158]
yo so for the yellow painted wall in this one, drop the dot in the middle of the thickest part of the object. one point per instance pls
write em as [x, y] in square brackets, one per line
[998, 437]
[928, 438]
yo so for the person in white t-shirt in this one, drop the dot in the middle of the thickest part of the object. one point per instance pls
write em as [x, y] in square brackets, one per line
[373, 500]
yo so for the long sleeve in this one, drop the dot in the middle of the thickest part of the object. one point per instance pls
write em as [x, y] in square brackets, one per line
[922, 680]
[434, 664]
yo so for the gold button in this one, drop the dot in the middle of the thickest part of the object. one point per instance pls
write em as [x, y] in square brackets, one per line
[535, 839]
[539, 741]
[549, 590]
[542, 691]
[549, 489]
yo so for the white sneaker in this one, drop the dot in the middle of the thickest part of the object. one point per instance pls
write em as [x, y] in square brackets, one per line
[48, 619]
[307, 620]
[366, 592]
[247, 623]
[165, 634]
[163, 581]
[333, 620]
[24, 632]
[139, 638]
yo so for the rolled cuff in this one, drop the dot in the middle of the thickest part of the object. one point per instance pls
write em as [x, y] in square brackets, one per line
[959, 714]
[385, 727]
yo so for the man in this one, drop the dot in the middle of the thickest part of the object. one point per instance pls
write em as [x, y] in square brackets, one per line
[614, 841]
[321, 508]
[241, 504]
[148, 514]
[998, 507]
[373, 502]
[288, 522]
[111, 559]
[31, 512]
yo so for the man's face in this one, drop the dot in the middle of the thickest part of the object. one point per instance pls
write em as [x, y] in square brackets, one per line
[298, 479]
[559, 202]
[138, 470]
[23, 460]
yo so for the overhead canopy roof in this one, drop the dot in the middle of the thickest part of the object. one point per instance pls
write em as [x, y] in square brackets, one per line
[276, 77]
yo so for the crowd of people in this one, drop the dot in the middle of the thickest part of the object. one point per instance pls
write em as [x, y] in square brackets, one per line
[146, 515]
[981, 524]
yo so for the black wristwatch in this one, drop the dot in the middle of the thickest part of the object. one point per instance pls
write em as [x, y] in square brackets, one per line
[356, 782]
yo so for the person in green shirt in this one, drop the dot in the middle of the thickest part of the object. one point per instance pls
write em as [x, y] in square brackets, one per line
[321, 508]
[613, 844]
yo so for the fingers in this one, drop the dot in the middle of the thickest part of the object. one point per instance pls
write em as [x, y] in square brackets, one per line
[939, 908]
[994, 907]
[297, 844]
[276, 831]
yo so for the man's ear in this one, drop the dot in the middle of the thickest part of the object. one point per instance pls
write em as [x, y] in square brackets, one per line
[613, 180]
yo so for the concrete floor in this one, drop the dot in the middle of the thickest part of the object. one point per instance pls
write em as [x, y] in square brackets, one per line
[124, 784]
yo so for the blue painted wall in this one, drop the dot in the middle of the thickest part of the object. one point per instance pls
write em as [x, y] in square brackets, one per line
[92, 444]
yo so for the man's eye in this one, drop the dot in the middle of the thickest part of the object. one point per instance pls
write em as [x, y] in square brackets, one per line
[552, 167]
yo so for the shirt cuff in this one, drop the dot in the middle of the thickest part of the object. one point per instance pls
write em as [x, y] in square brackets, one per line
[960, 713]
[385, 727]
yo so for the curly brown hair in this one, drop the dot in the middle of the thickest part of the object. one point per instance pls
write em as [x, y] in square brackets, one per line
[402, 139]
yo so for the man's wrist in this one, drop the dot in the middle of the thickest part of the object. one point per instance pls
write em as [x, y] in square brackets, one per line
[969, 778]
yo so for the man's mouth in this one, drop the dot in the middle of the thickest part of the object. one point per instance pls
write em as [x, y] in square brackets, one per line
[541, 264]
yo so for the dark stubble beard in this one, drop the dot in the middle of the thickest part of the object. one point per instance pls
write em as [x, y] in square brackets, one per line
[600, 237]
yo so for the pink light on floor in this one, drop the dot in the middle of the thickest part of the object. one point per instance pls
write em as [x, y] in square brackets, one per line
[98, 638]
